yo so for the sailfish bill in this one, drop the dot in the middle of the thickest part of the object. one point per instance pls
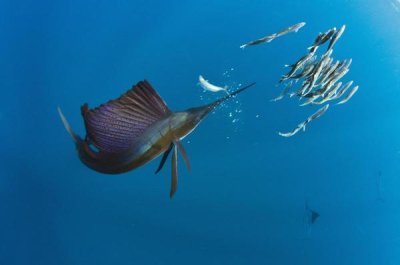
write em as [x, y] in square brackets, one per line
[134, 129]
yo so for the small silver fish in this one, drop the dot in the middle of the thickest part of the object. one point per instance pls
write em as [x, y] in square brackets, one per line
[297, 65]
[343, 90]
[329, 94]
[340, 74]
[302, 125]
[325, 88]
[265, 39]
[305, 87]
[210, 87]
[296, 130]
[271, 37]
[327, 75]
[333, 90]
[349, 96]
[318, 114]
[305, 73]
[284, 92]
[293, 28]
[325, 58]
[335, 37]
[310, 100]
[348, 63]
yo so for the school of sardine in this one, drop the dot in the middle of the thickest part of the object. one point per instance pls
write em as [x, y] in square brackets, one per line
[318, 78]
[314, 79]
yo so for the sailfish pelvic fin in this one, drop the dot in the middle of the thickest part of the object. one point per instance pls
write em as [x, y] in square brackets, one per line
[183, 153]
[174, 176]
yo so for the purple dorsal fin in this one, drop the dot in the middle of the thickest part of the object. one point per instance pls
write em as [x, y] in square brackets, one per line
[113, 127]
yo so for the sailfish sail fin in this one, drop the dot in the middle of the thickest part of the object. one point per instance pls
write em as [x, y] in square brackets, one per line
[113, 126]
[174, 176]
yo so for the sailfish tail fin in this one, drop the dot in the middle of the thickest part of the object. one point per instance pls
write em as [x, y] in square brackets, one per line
[68, 127]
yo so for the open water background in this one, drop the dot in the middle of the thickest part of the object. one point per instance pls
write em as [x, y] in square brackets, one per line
[243, 202]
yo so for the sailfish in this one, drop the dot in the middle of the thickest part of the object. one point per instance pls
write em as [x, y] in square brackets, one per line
[130, 131]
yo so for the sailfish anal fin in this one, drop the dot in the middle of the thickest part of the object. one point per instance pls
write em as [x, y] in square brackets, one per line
[174, 173]
[112, 127]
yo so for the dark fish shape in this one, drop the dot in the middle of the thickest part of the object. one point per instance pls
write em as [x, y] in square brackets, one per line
[310, 217]
[314, 216]
[130, 131]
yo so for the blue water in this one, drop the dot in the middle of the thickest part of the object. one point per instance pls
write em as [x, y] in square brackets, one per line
[243, 201]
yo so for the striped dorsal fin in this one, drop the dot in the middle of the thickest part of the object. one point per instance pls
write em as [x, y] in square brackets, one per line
[113, 127]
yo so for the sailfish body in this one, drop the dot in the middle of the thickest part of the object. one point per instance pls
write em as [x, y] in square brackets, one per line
[130, 131]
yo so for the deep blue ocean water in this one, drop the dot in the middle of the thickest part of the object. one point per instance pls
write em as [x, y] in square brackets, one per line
[243, 201]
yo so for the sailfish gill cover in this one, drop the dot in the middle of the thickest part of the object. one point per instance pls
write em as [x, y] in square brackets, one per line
[243, 200]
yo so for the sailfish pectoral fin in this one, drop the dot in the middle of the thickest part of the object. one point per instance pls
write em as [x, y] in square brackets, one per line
[164, 158]
[174, 177]
[183, 153]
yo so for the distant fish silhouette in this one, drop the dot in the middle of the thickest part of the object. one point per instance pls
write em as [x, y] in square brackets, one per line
[314, 216]
[310, 217]
[130, 131]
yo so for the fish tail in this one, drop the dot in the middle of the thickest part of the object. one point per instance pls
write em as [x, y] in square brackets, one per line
[68, 127]
[226, 90]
